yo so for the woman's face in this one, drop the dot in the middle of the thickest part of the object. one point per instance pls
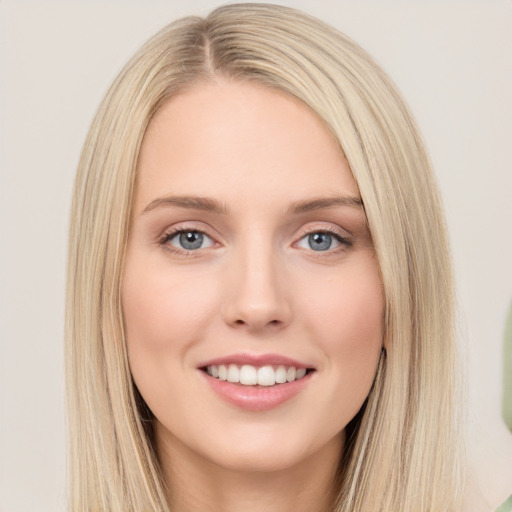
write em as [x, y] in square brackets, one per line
[249, 258]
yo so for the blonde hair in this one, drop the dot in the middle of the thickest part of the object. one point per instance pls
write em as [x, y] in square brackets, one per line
[402, 450]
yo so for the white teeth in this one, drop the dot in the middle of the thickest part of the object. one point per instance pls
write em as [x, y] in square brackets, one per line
[300, 373]
[281, 375]
[266, 376]
[249, 375]
[233, 373]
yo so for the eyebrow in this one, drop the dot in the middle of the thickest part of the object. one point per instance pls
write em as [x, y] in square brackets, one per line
[195, 203]
[211, 205]
[310, 205]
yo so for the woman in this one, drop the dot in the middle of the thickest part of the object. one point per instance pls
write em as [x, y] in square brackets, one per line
[260, 299]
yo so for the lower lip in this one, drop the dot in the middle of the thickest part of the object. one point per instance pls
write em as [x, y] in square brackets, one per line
[253, 398]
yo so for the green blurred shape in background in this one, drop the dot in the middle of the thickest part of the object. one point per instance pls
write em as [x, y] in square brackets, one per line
[507, 372]
[507, 506]
[507, 388]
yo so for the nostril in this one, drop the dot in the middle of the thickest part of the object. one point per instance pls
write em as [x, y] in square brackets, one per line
[271, 322]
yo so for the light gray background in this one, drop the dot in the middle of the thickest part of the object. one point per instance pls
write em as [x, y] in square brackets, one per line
[451, 60]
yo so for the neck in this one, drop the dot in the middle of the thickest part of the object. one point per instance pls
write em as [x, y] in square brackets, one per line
[199, 485]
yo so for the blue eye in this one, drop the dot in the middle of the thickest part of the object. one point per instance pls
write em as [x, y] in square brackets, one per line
[189, 240]
[321, 241]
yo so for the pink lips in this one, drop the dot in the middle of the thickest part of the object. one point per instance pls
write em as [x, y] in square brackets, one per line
[255, 398]
[255, 360]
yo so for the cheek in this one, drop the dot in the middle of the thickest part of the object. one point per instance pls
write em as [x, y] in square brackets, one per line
[162, 308]
[349, 307]
[165, 312]
[346, 319]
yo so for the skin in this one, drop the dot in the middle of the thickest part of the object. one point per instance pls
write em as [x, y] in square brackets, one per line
[255, 286]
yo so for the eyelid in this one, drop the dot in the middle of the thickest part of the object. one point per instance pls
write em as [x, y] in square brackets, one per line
[318, 227]
[193, 225]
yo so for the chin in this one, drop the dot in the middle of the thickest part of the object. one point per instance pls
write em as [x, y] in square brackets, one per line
[267, 452]
[254, 461]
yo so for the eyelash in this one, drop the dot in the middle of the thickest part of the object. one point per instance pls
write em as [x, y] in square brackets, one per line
[167, 236]
[345, 243]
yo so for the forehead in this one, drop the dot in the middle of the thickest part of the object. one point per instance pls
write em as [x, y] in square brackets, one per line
[240, 139]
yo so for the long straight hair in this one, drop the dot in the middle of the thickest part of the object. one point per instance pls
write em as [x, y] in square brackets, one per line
[402, 454]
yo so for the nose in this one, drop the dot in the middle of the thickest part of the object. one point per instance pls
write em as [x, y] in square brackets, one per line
[257, 292]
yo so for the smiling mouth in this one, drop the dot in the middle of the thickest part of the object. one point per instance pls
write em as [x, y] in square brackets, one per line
[256, 376]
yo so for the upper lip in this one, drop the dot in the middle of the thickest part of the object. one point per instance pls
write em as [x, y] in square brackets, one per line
[255, 360]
